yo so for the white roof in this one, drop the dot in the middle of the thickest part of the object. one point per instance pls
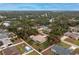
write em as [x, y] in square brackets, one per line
[27, 48]
[73, 47]
[6, 24]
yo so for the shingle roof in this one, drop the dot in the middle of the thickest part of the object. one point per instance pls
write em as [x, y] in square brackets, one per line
[60, 50]
[73, 35]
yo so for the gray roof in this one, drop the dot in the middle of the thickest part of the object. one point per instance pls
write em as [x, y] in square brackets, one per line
[5, 39]
[73, 35]
[60, 50]
[3, 35]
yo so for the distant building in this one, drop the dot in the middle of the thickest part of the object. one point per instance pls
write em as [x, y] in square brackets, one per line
[74, 29]
[2, 16]
[6, 23]
[39, 38]
[4, 39]
[59, 50]
[43, 28]
[73, 35]
[51, 20]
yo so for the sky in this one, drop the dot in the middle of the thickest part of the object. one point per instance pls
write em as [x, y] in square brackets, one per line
[40, 6]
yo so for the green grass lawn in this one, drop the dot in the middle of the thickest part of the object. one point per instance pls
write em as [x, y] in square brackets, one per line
[73, 41]
[76, 42]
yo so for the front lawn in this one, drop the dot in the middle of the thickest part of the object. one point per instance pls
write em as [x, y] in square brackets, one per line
[73, 41]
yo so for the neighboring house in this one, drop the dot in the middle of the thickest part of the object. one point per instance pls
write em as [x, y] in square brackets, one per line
[39, 38]
[6, 23]
[74, 29]
[43, 28]
[2, 16]
[52, 20]
[73, 35]
[4, 39]
[12, 35]
[59, 50]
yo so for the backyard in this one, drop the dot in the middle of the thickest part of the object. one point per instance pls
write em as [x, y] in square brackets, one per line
[37, 45]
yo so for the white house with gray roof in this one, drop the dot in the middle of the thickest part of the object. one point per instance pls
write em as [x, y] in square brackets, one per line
[4, 39]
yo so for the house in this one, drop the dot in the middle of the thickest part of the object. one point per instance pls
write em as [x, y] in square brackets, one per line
[2, 16]
[52, 20]
[6, 23]
[74, 29]
[4, 39]
[59, 50]
[73, 35]
[40, 38]
[41, 29]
